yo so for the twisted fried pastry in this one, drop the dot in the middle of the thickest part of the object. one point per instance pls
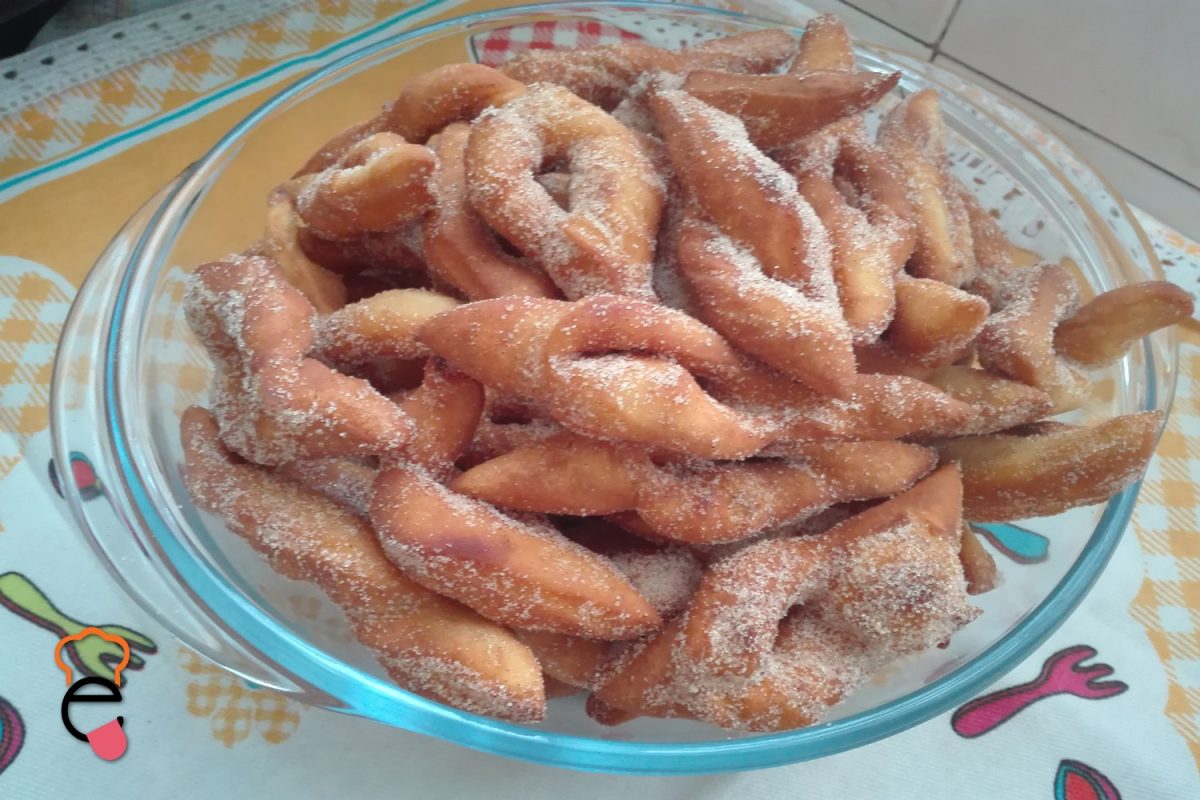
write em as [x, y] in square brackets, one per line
[426, 104]
[388, 252]
[281, 244]
[461, 250]
[343, 480]
[378, 185]
[779, 109]
[273, 403]
[825, 44]
[882, 584]
[605, 241]
[1018, 341]
[853, 188]
[693, 503]
[603, 75]
[790, 315]
[428, 644]
[879, 407]
[934, 323]
[641, 389]
[445, 409]
[913, 134]
[383, 326]
[1103, 330]
[1007, 476]
[521, 574]
[1000, 403]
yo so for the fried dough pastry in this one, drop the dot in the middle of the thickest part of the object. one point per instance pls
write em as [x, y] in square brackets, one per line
[856, 191]
[934, 323]
[642, 389]
[825, 44]
[852, 186]
[281, 244]
[378, 185]
[782, 630]
[428, 644]
[686, 406]
[521, 574]
[1018, 341]
[666, 575]
[780, 109]
[696, 504]
[445, 410]
[273, 403]
[1102, 331]
[605, 241]
[383, 326]
[979, 568]
[426, 104]
[572, 660]
[1000, 403]
[913, 134]
[461, 249]
[789, 314]
[879, 408]
[1009, 477]
[389, 253]
[344, 480]
[603, 75]
[767, 318]
[444, 95]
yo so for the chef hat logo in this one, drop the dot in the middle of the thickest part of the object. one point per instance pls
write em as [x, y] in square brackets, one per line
[90, 631]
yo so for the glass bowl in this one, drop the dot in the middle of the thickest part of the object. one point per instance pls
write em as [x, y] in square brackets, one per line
[127, 366]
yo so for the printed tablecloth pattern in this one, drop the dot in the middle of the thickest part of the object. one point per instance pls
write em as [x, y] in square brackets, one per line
[60, 137]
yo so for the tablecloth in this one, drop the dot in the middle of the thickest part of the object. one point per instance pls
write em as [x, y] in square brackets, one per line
[77, 160]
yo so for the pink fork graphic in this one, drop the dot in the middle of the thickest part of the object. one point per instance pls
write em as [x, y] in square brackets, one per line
[1061, 674]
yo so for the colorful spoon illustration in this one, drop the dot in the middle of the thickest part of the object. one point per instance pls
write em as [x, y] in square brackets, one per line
[1061, 674]
[1078, 781]
[12, 733]
[92, 655]
[1020, 544]
[82, 473]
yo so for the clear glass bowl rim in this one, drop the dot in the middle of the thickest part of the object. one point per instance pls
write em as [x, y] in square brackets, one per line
[351, 690]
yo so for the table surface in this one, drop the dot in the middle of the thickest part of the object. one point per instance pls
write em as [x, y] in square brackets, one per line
[77, 160]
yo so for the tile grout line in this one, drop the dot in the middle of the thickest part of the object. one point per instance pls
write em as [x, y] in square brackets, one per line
[936, 51]
[884, 22]
[937, 46]
[1065, 118]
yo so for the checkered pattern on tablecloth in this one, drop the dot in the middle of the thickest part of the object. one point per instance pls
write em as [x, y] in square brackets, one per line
[70, 120]
[496, 47]
[1167, 521]
[32, 308]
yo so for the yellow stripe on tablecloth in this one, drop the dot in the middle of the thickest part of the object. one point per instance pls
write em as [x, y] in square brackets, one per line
[1168, 603]
[102, 108]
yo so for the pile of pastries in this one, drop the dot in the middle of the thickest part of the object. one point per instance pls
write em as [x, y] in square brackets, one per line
[650, 375]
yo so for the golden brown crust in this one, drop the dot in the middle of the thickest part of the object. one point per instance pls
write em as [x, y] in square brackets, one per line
[427, 644]
[1009, 477]
[605, 242]
[1104, 329]
[521, 574]
[780, 109]
[461, 249]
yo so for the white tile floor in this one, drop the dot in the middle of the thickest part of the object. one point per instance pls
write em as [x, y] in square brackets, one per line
[1116, 79]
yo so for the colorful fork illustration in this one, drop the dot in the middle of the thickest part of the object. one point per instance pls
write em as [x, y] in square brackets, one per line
[1061, 674]
[91, 655]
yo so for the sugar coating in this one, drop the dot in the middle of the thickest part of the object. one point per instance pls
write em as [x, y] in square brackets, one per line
[593, 200]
